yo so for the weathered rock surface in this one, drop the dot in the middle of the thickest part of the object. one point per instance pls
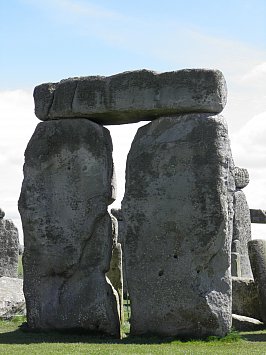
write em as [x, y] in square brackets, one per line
[115, 273]
[241, 177]
[257, 255]
[67, 228]
[245, 299]
[258, 216]
[242, 233]
[12, 301]
[242, 323]
[177, 230]
[132, 96]
[9, 247]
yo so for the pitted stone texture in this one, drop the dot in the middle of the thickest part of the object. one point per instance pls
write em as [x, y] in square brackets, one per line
[258, 216]
[245, 298]
[12, 301]
[67, 229]
[177, 242]
[257, 255]
[132, 96]
[242, 232]
[241, 177]
[9, 248]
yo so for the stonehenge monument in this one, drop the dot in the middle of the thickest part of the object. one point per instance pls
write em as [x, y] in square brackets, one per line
[183, 213]
[9, 247]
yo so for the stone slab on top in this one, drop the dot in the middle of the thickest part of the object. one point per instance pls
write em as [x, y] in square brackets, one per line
[134, 96]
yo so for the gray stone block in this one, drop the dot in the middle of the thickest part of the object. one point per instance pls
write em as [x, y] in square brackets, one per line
[177, 212]
[257, 255]
[12, 301]
[242, 323]
[241, 177]
[245, 299]
[258, 216]
[132, 96]
[242, 232]
[67, 228]
[9, 247]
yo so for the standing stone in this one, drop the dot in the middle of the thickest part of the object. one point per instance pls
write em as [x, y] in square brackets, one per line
[178, 224]
[257, 255]
[9, 247]
[241, 226]
[67, 228]
[115, 273]
[245, 298]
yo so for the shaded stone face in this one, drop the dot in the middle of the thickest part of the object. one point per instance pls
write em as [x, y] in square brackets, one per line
[2, 213]
[245, 298]
[257, 255]
[67, 229]
[177, 212]
[242, 233]
[9, 247]
[258, 216]
[132, 96]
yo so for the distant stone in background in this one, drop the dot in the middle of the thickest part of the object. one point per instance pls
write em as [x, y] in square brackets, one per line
[241, 177]
[132, 96]
[115, 273]
[67, 229]
[117, 212]
[258, 216]
[242, 323]
[241, 226]
[257, 255]
[12, 301]
[9, 247]
[177, 211]
[245, 297]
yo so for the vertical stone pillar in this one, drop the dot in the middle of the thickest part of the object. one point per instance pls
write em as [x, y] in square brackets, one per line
[241, 225]
[9, 247]
[177, 211]
[67, 228]
[115, 273]
[257, 255]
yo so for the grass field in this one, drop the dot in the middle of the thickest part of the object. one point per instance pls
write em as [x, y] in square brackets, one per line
[15, 341]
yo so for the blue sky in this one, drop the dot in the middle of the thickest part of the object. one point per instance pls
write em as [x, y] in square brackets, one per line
[46, 40]
[49, 40]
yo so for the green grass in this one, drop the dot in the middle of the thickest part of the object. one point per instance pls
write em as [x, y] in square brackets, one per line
[14, 341]
[20, 267]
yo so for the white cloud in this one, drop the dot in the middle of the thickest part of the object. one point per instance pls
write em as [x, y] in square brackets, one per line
[16, 127]
[257, 75]
[249, 151]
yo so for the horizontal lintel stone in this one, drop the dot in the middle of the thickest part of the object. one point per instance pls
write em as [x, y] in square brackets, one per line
[134, 96]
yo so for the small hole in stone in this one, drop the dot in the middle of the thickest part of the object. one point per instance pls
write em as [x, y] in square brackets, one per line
[175, 256]
[198, 271]
[161, 273]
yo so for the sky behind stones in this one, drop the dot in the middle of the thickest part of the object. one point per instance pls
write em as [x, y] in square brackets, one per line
[48, 40]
